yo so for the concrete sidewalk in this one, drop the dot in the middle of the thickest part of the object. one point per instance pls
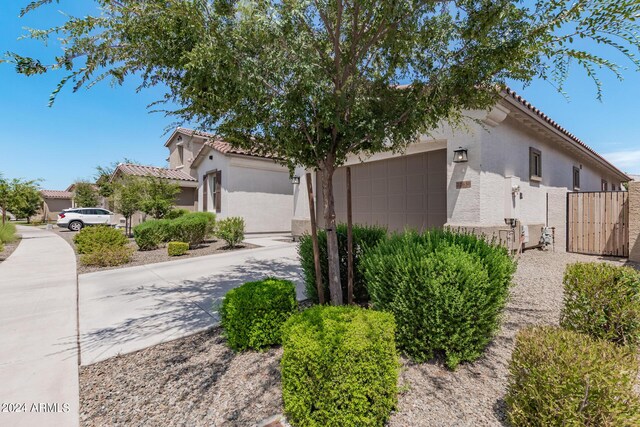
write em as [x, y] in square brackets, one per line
[38, 332]
[128, 309]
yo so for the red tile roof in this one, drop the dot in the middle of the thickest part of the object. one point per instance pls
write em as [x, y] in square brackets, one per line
[153, 171]
[56, 194]
[512, 94]
[215, 142]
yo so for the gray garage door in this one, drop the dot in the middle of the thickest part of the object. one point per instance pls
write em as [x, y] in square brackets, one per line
[404, 192]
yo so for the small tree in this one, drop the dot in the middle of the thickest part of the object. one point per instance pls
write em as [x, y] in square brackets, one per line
[159, 197]
[4, 197]
[24, 198]
[127, 197]
[85, 194]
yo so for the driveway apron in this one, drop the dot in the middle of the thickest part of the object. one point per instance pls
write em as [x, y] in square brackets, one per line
[38, 333]
[129, 309]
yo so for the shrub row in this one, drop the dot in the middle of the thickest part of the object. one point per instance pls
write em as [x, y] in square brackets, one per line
[191, 228]
[102, 246]
[363, 237]
[446, 290]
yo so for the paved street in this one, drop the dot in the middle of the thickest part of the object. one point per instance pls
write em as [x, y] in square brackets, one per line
[128, 309]
[38, 332]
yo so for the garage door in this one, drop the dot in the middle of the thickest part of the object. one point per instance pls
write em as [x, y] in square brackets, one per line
[404, 192]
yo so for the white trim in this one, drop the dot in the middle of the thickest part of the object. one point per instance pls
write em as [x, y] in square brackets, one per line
[423, 146]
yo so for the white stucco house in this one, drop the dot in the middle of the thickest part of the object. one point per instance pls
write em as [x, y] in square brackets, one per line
[512, 169]
[233, 182]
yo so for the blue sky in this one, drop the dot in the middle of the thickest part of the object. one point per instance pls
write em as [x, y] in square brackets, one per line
[106, 124]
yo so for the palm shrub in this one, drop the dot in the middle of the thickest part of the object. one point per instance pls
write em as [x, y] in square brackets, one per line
[563, 378]
[363, 237]
[231, 230]
[7, 233]
[446, 291]
[603, 301]
[339, 367]
[252, 314]
[94, 239]
[177, 248]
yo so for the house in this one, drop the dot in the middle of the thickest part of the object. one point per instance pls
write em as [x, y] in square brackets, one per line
[54, 202]
[185, 199]
[506, 174]
[233, 182]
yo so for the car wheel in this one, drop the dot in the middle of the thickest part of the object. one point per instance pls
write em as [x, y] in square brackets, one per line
[75, 226]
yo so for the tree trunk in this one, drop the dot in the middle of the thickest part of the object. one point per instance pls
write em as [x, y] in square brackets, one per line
[335, 287]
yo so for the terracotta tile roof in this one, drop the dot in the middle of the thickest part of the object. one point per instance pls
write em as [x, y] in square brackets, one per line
[153, 171]
[56, 194]
[512, 94]
[215, 142]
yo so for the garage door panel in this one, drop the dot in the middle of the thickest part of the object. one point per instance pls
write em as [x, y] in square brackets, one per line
[399, 193]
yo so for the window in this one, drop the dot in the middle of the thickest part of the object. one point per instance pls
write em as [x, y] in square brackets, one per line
[576, 179]
[605, 185]
[535, 164]
[181, 154]
[212, 192]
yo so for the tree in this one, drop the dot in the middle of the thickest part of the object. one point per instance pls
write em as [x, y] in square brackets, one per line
[24, 198]
[127, 198]
[312, 82]
[85, 194]
[103, 177]
[159, 197]
[4, 197]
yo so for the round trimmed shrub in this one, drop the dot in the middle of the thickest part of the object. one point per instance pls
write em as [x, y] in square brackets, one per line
[339, 367]
[96, 238]
[445, 290]
[603, 301]
[108, 256]
[191, 228]
[363, 237]
[252, 314]
[151, 234]
[563, 378]
[177, 248]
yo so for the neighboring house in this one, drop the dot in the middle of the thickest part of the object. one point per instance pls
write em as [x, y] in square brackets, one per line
[234, 182]
[186, 198]
[510, 166]
[54, 202]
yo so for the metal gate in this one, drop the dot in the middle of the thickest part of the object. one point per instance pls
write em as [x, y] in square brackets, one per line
[598, 223]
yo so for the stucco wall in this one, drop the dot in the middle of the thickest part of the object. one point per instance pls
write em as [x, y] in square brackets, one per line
[52, 207]
[634, 221]
[191, 145]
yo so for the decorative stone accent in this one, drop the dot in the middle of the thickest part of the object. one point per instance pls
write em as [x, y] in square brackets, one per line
[634, 221]
[275, 421]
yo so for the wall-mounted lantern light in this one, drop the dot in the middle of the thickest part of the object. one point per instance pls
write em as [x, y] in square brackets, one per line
[460, 155]
[295, 180]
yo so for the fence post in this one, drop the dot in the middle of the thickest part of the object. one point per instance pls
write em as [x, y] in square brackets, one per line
[634, 221]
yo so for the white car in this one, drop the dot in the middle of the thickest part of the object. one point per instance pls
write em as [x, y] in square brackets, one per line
[76, 218]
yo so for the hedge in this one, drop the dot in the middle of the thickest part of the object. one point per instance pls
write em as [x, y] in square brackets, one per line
[339, 367]
[96, 238]
[563, 378]
[363, 237]
[108, 256]
[151, 234]
[191, 228]
[177, 248]
[603, 301]
[446, 291]
[252, 314]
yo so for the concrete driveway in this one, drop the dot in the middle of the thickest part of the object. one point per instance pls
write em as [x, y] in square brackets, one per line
[38, 335]
[128, 309]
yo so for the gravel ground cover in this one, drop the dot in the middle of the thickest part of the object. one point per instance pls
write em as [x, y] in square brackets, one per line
[8, 249]
[210, 247]
[197, 381]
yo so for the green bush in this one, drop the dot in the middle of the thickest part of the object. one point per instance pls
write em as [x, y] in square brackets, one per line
[7, 233]
[446, 291]
[209, 217]
[151, 234]
[96, 238]
[176, 213]
[563, 378]
[231, 230]
[603, 301]
[363, 237]
[188, 228]
[108, 256]
[339, 367]
[177, 248]
[252, 314]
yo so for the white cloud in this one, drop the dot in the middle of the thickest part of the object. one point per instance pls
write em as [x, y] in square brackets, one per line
[628, 161]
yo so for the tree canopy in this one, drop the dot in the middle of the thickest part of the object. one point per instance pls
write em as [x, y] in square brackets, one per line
[85, 194]
[312, 82]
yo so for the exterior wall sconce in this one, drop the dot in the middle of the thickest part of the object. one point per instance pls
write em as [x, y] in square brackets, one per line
[295, 180]
[460, 155]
